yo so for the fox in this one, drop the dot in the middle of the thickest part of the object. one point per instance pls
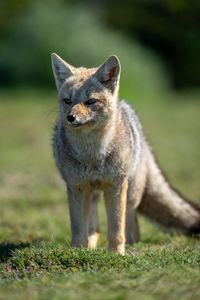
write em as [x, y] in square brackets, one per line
[99, 146]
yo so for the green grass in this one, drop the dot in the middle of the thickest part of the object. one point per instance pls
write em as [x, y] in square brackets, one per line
[36, 260]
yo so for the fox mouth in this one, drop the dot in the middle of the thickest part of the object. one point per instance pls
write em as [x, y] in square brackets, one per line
[76, 125]
[80, 124]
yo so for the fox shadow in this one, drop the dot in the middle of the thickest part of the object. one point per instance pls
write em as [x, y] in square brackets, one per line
[6, 249]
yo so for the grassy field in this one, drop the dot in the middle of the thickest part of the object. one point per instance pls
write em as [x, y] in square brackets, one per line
[36, 260]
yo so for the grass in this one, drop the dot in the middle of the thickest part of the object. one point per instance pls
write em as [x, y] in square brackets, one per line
[36, 260]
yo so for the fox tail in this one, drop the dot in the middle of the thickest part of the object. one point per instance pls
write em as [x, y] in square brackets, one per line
[164, 205]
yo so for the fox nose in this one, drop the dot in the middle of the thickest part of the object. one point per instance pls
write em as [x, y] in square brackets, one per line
[71, 118]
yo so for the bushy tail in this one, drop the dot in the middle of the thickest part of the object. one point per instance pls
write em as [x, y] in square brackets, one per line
[164, 205]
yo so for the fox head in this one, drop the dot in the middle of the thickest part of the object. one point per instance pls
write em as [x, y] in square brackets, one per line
[87, 97]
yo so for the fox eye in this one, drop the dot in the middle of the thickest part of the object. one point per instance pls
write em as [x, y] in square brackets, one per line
[90, 101]
[67, 100]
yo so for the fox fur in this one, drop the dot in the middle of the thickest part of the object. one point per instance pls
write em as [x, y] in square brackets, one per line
[99, 145]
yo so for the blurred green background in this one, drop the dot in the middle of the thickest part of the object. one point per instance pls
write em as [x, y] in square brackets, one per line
[157, 41]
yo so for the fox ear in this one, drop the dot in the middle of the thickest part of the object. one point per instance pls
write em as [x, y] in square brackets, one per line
[61, 69]
[109, 72]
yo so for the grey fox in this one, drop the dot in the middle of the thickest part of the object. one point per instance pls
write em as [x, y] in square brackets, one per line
[99, 145]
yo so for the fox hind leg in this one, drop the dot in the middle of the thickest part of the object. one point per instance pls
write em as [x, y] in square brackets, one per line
[134, 195]
[132, 227]
[94, 228]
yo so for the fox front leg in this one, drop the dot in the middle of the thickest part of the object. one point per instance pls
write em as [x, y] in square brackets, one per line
[79, 207]
[115, 201]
